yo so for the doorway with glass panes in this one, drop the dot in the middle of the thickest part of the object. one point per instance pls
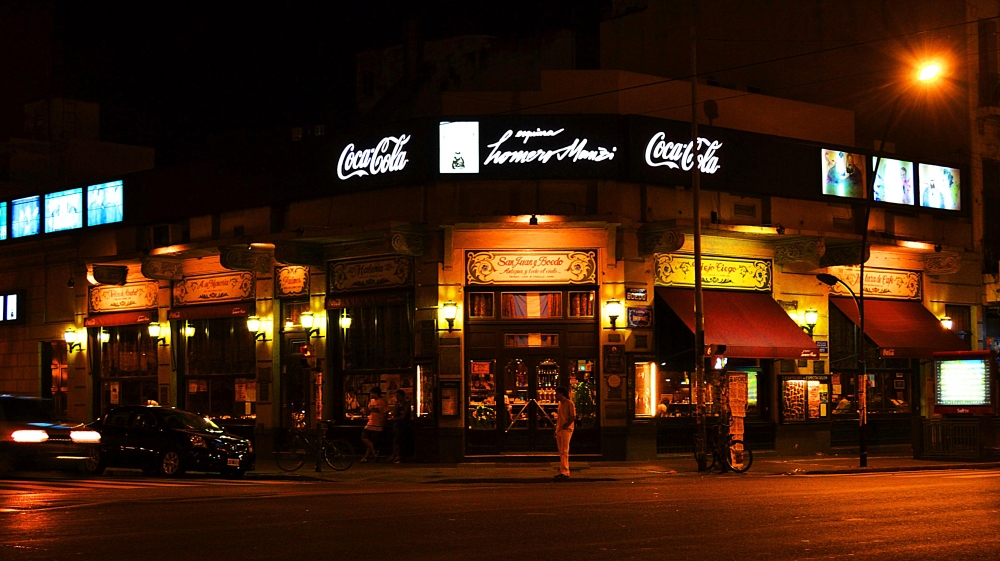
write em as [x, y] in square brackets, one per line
[520, 346]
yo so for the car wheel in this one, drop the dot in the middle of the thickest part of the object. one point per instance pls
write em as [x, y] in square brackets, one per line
[170, 464]
[94, 464]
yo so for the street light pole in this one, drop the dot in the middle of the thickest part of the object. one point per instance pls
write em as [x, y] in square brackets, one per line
[699, 318]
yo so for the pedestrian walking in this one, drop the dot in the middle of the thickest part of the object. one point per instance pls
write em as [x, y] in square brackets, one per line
[371, 435]
[400, 426]
[565, 422]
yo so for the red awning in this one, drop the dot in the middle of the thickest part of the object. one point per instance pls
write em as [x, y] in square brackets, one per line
[120, 318]
[902, 329]
[750, 324]
[212, 311]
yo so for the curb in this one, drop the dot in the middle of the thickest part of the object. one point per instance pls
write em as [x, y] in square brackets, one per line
[848, 471]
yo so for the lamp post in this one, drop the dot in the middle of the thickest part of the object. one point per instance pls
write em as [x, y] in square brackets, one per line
[861, 378]
[701, 453]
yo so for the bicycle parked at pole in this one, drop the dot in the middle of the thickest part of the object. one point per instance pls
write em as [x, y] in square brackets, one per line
[302, 447]
[723, 451]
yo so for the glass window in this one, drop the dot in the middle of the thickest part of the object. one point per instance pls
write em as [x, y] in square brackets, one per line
[25, 213]
[481, 305]
[887, 392]
[3, 221]
[291, 313]
[531, 305]
[675, 394]
[482, 395]
[581, 304]
[583, 391]
[531, 340]
[221, 369]
[805, 398]
[379, 337]
[645, 389]
[64, 210]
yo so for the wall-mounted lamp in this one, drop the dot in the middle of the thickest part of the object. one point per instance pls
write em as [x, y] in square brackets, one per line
[154, 332]
[533, 221]
[947, 323]
[253, 326]
[189, 330]
[613, 308]
[104, 336]
[449, 311]
[70, 336]
[811, 319]
[308, 321]
[345, 320]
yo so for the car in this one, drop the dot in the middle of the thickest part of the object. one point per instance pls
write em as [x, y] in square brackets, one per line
[31, 438]
[167, 441]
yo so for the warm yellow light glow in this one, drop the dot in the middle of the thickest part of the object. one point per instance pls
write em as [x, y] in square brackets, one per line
[189, 331]
[915, 245]
[29, 436]
[289, 324]
[420, 393]
[306, 319]
[154, 330]
[105, 336]
[947, 323]
[929, 71]
[345, 321]
[85, 436]
[253, 324]
[812, 317]
[613, 308]
[70, 336]
[449, 310]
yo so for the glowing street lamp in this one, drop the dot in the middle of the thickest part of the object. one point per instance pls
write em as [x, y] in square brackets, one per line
[929, 72]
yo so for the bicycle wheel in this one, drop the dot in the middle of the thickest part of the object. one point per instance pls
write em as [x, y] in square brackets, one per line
[293, 454]
[738, 456]
[709, 454]
[339, 454]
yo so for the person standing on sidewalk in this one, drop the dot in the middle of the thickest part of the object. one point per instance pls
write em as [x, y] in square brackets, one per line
[565, 422]
[400, 426]
[371, 435]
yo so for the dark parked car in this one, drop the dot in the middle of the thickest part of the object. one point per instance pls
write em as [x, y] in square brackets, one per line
[31, 437]
[168, 442]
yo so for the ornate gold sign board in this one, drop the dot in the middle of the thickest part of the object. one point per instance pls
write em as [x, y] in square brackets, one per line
[231, 287]
[880, 283]
[531, 267]
[135, 296]
[369, 273]
[292, 280]
[716, 272]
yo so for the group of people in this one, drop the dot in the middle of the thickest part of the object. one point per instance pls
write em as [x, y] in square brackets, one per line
[379, 413]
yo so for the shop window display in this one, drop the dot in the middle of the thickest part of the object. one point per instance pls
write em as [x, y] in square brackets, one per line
[129, 365]
[220, 378]
[805, 398]
[481, 305]
[358, 387]
[581, 304]
[887, 392]
[583, 392]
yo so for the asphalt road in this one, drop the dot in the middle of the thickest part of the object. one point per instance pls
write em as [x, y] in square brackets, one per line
[906, 516]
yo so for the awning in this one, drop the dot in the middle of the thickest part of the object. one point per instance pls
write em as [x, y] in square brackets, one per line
[121, 318]
[212, 311]
[902, 329]
[750, 324]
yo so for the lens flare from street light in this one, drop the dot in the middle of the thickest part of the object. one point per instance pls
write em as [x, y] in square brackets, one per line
[929, 72]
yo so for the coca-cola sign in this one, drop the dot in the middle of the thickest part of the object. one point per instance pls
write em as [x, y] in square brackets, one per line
[681, 155]
[387, 156]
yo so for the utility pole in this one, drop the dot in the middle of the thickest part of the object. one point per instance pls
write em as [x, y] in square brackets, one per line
[697, 384]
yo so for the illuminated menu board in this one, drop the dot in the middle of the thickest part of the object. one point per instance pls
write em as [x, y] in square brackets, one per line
[25, 213]
[940, 187]
[3, 221]
[843, 173]
[105, 203]
[963, 382]
[894, 182]
[64, 210]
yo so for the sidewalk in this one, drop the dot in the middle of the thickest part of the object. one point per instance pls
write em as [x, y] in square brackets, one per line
[538, 472]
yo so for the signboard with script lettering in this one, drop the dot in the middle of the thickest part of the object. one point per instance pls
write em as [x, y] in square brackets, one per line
[210, 289]
[292, 280]
[132, 296]
[367, 274]
[531, 267]
[716, 272]
[881, 283]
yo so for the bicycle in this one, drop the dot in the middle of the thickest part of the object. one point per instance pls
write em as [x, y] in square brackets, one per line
[338, 453]
[725, 451]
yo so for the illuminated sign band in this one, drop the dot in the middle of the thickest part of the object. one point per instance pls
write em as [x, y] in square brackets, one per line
[386, 157]
[717, 272]
[575, 151]
[680, 155]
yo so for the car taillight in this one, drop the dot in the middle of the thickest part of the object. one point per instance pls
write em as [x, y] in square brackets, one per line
[29, 436]
[85, 436]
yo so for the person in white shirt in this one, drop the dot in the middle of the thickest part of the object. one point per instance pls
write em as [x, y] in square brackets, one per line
[565, 421]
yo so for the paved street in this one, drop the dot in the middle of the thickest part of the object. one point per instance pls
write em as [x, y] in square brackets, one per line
[952, 514]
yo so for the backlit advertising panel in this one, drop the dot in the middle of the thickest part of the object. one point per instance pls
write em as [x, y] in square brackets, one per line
[940, 187]
[64, 210]
[843, 173]
[105, 203]
[964, 382]
[25, 214]
[3, 221]
[894, 182]
[459, 147]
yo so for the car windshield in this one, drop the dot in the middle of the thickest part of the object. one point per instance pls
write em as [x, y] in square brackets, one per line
[25, 411]
[185, 420]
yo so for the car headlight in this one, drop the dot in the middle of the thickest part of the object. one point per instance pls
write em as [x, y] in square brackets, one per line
[30, 436]
[85, 436]
[197, 441]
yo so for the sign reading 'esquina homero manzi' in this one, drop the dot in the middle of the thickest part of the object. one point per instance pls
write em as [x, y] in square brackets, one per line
[716, 272]
[531, 267]
[366, 274]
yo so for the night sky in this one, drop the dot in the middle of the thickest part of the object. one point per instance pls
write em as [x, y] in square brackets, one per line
[190, 79]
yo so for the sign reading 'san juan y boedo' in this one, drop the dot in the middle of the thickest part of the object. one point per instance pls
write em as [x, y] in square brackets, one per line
[531, 267]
